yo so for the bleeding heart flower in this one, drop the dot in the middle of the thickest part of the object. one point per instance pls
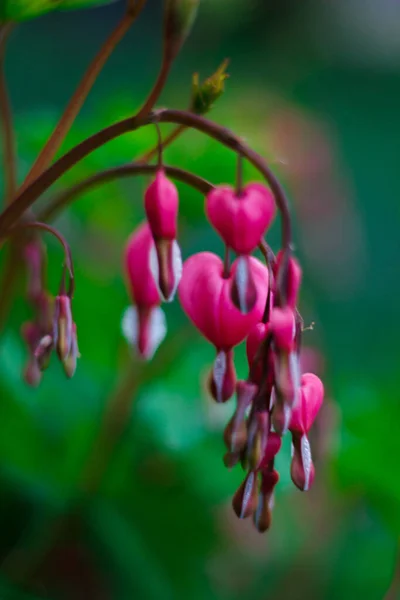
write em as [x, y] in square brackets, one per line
[161, 204]
[241, 220]
[293, 279]
[310, 402]
[143, 324]
[263, 515]
[205, 297]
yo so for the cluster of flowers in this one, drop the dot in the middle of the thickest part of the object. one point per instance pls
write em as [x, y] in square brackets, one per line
[229, 303]
[52, 327]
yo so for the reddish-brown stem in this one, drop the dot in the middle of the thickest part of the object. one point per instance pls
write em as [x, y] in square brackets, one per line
[10, 175]
[28, 196]
[171, 137]
[51, 210]
[75, 104]
[49, 229]
[156, 90]
[227, 263]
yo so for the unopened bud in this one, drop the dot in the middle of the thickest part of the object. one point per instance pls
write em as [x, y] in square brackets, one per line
[223, 377]
[69, 363]
[245, 499]
[302, 468]
[231, 459]
[263, 515]
[206, 93]
[235, 435]
[292, 280]
[178, 20]
[32, 374]
[62, 326]
[43, 351]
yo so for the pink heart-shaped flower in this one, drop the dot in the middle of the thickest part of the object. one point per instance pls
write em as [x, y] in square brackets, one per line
[309, 404]
[241, 220]
[205, 297]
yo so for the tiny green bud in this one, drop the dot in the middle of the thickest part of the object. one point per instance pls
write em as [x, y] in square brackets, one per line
[179, 17]
[206, 93]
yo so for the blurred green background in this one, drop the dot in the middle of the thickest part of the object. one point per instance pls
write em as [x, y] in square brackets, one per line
[146, 514]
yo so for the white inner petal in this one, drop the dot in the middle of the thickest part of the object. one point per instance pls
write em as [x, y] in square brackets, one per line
[287, 413]
[295, 375]
[219, 370]
[271, 502]
[130, 325]
[154, 269]
[176, 268]
[157, 330]
[306, 460]
[248, 488]
[242, 279]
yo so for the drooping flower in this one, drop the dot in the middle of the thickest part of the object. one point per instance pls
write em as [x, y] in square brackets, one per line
[241, 220]
[303, 416]
[143, 324]
[204, 293]
[161, 205]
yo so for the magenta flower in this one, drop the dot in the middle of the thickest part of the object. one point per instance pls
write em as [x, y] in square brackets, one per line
[303, 416]
[204, 293]
[293, 279]
[143, 324]
[241, 220]
[161, 204]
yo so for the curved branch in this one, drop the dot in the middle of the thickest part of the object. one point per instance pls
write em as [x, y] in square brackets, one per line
[64, 198]
[28, 196]
[10, 175]
[75, 104]
[49, 229]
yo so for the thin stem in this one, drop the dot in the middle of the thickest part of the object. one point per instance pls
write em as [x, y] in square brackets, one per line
[129, 170]
[239, 176]
[156, 91]
[75, 104]
[49, 229]
[159, 146]
[10, 174]
[227, 263]
[171, 137]
[28, 196]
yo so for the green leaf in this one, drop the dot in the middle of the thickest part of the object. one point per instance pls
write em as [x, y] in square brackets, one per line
[21, 10]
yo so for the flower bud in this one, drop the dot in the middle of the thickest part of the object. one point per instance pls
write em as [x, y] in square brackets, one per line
[69, 362]
[223, 377]
[245, 499]
[263, 514]
[302, 468]
[179, 17]
[161, 204]
[310, 401]
[282, 325]
[206, 93]
[292, 282]
[62, 336]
